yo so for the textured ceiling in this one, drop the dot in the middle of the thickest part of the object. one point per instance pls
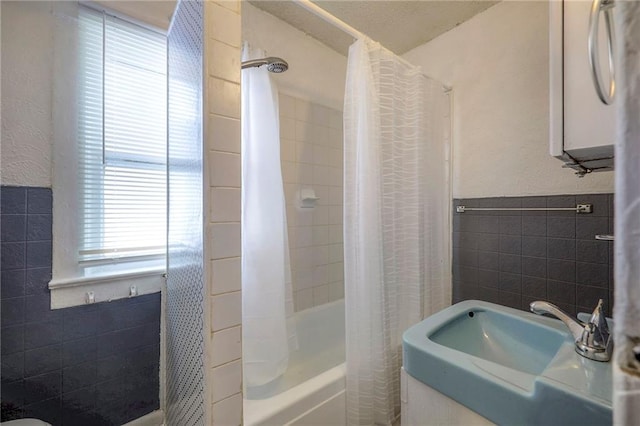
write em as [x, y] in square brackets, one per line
[398, 25]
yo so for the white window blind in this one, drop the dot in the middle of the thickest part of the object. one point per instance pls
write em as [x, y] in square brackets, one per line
[122, 140]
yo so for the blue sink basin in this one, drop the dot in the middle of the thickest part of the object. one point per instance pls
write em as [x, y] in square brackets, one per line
[508, 341]
[510, 366]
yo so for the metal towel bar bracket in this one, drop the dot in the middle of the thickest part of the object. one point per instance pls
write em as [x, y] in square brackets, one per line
[580, 208]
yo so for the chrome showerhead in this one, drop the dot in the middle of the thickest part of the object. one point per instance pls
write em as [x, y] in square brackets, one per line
[275, 65]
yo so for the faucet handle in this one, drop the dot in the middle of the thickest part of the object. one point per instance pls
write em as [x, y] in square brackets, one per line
[595, 342]
[598, 321]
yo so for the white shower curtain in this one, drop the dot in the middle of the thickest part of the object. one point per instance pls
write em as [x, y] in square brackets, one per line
[395, 224]
[268, 331]
[626, 371]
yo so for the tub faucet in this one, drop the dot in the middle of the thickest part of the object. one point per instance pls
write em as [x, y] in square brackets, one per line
[593, 339]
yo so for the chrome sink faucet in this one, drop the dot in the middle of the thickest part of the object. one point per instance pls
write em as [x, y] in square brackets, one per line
[593, 339]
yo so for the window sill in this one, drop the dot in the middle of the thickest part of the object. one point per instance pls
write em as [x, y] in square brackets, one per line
[74, 291]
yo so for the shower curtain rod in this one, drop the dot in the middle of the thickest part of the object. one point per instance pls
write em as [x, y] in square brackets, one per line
[340, 24]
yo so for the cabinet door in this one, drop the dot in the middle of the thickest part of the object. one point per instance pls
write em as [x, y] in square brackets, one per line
[589, 124]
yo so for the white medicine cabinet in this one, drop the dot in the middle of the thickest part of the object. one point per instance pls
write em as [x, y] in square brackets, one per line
[582, 84]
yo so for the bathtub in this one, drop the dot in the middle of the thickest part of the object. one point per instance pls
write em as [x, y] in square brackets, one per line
[312, 390]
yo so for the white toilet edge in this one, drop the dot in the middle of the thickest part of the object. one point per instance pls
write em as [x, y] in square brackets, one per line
[25, 422]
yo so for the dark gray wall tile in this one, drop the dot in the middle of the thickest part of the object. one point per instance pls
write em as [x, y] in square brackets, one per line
[49, 410]
[38, 309]
[42, 387]
[122, 410]
[42, 360]
[511, 244]
[39, 201]
[13, 256]
[534, 286]
[128, 363]
[12, 367]
[561, 270]
[592, 251]
[465, 274]
[610, 202]
[600, 203]
[79, 408]
[511, 225]
[465, 240]
[12, 311]
[50, 357]
[38, 254]
[560, 248]
[113, 317]
[12, 399]
[467, 223]
[79, 351]
[588, 227]
[487, 278]
[14, 228]
[464, 291]
[587, 298]
[534, 246]
[80, 323]
[611, 254]
[123, 340]
[11, 339]
[510, 263]
[534, 255]
[37, 281]
[37, 334]
[592, 274]
[79, 376]
[13, 200]
[491, 295]
[39, 227]
[510, 282]
[487, 225]
[489, 260]
[513, 300]
[12, 283]
[561, 292]
[535, 202]
[561, 227]
[561, 201]
[465, 257]
[535, 226]
[534, 267]
[488, 242]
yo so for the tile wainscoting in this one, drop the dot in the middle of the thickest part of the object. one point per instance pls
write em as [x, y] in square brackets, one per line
[87, 365]
[514, 258]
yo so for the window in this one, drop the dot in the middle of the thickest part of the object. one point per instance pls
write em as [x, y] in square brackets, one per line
[120, 116]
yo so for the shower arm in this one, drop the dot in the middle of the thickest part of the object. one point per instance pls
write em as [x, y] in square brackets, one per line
[253, 63]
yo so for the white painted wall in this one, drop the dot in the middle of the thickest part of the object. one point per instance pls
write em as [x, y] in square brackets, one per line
[27, 46]
[27, 49]
[147, 12]
[497, 63]
[316, 73]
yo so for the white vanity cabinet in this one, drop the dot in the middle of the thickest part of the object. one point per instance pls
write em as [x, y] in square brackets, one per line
[582, 126]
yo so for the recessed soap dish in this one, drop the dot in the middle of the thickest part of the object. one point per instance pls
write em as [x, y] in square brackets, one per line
[308, 199]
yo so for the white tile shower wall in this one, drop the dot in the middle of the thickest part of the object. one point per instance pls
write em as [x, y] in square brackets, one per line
[222, 144]
[311, 154]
